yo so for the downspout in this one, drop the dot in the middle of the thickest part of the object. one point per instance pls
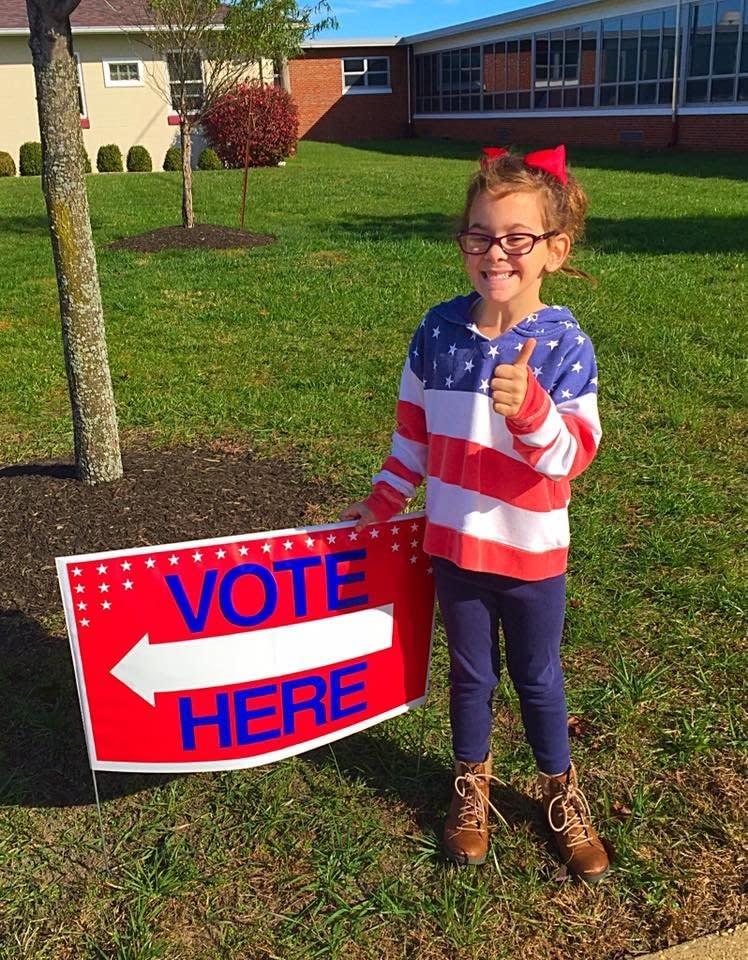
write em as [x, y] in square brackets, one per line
[410, 101]
[676, 71]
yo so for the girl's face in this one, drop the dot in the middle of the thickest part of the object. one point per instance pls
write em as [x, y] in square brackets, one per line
[509, 279]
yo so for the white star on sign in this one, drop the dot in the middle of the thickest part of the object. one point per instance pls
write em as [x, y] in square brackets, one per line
[106, 605]
[265, 548]
[243, 551]
[452, 349]
[435, 333]
[309, 542]
[125, 565]
[82, 605]
[353, 535]
[493, 351]
[395, 547]
[413, 559]
[566, 394]
[332, 538]
[469, 365]
[414, 526]
[101, 568]
[77, 571]
[197, 556]
[287, 544]
[414, 543]
[430, 570]
[553, 344]
[173, 559]
[448, 382]
[484, 385]
[580, 340]
[150, 563]
[220, 554]
[80, 588]
[104, 587]
[394, 530]
[576, 367]
[374, 533]
[127, 584]
[536, 371]
[84, 622]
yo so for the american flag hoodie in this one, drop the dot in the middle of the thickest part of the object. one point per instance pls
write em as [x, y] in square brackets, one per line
[497, 490]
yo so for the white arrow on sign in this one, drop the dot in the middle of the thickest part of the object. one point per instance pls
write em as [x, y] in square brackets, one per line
[151, 668]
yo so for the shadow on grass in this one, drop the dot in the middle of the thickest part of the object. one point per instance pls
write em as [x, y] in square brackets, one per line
[647, 235]
[421, 782]
[674, 162]
[43, 760]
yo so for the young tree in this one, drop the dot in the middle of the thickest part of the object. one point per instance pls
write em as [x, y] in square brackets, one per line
[210, 46]
[97, 453]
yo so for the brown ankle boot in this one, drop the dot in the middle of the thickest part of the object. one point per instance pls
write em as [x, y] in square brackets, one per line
[466, 828]
[569, 816]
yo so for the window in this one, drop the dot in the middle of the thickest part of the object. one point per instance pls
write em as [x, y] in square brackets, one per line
[366, 75]
[557, 66]
[507, 75]
[187, 71]
[82, 107]
[637, 59]
[716, 56]
[123, 73]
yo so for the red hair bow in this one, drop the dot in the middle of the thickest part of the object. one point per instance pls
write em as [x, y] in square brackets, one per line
[550, 161]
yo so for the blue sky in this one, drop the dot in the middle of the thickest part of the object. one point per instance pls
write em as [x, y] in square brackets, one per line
[386, 18]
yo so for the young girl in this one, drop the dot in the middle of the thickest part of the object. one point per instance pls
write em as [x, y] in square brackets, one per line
[498, 409]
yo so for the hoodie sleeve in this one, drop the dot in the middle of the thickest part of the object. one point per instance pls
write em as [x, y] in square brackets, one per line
[405, 468]
[558, 432]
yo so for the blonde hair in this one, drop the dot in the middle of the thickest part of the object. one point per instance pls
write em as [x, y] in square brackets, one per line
[563, 205]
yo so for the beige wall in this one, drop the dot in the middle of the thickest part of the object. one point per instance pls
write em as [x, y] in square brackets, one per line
[121, 115]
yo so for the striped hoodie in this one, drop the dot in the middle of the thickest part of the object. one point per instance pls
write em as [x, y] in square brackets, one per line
[497, 487]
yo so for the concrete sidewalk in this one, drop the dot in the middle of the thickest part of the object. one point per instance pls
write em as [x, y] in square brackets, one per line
[728, 945]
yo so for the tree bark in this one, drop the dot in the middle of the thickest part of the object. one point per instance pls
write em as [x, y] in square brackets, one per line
[188, 216]
[97, 452]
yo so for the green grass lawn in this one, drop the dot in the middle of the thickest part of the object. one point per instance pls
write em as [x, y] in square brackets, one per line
[299, 345]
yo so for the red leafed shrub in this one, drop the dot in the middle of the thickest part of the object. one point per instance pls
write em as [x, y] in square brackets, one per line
[264, 118]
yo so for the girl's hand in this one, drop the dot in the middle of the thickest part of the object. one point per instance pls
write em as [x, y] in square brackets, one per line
[358, 511]
[509, 385]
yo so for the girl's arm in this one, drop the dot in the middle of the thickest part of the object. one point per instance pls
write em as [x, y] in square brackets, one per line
[558, 434]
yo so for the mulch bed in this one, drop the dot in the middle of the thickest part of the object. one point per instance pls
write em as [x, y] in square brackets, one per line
[203, 236]
[166, 496]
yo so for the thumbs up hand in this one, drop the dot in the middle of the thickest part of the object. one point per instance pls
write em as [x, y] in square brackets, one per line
[509, 384]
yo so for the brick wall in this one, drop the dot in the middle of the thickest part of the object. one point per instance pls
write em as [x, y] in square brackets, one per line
[325, 113]
[702, 132]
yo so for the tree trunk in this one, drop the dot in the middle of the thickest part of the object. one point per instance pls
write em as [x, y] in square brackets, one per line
[97, 452]
[188, 216]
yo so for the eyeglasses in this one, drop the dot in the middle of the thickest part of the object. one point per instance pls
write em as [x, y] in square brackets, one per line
[513, 244]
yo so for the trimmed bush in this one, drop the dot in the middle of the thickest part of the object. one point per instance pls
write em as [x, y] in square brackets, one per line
[209, 160]
[86, 161]
[7, 166]
[274, 127]
[109, 159]
[173, 159]
[30, 159]
[139, 160]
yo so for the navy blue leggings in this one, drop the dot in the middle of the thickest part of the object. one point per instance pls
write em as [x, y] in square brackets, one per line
[531, 614]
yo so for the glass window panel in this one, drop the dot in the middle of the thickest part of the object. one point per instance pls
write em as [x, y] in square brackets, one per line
[607, 95]
[743, 88]
[587, 97]
[124, 71]
[696, 91]
[744, 51]
[354, 79]
[554, 97]
[647, 93]
[555, 68]
[511, 101]
[667, 59]
[571, 97]
[377, 79]
[649, 58]
[465, 57]
[523, 100]
[500, 101]
[589, 53]
[702, 17]
[723, 90]
[627, 93]
[351, 64]
[666, 93]
[525, 64]
[377, 63]
[475, 57]
[611, 30]
[629, 47]
[726, 34]
[541, 99]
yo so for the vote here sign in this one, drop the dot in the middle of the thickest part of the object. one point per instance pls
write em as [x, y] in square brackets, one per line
[228, 653]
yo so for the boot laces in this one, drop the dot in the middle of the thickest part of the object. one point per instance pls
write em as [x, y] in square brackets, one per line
[474, 809]
[577, 816]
